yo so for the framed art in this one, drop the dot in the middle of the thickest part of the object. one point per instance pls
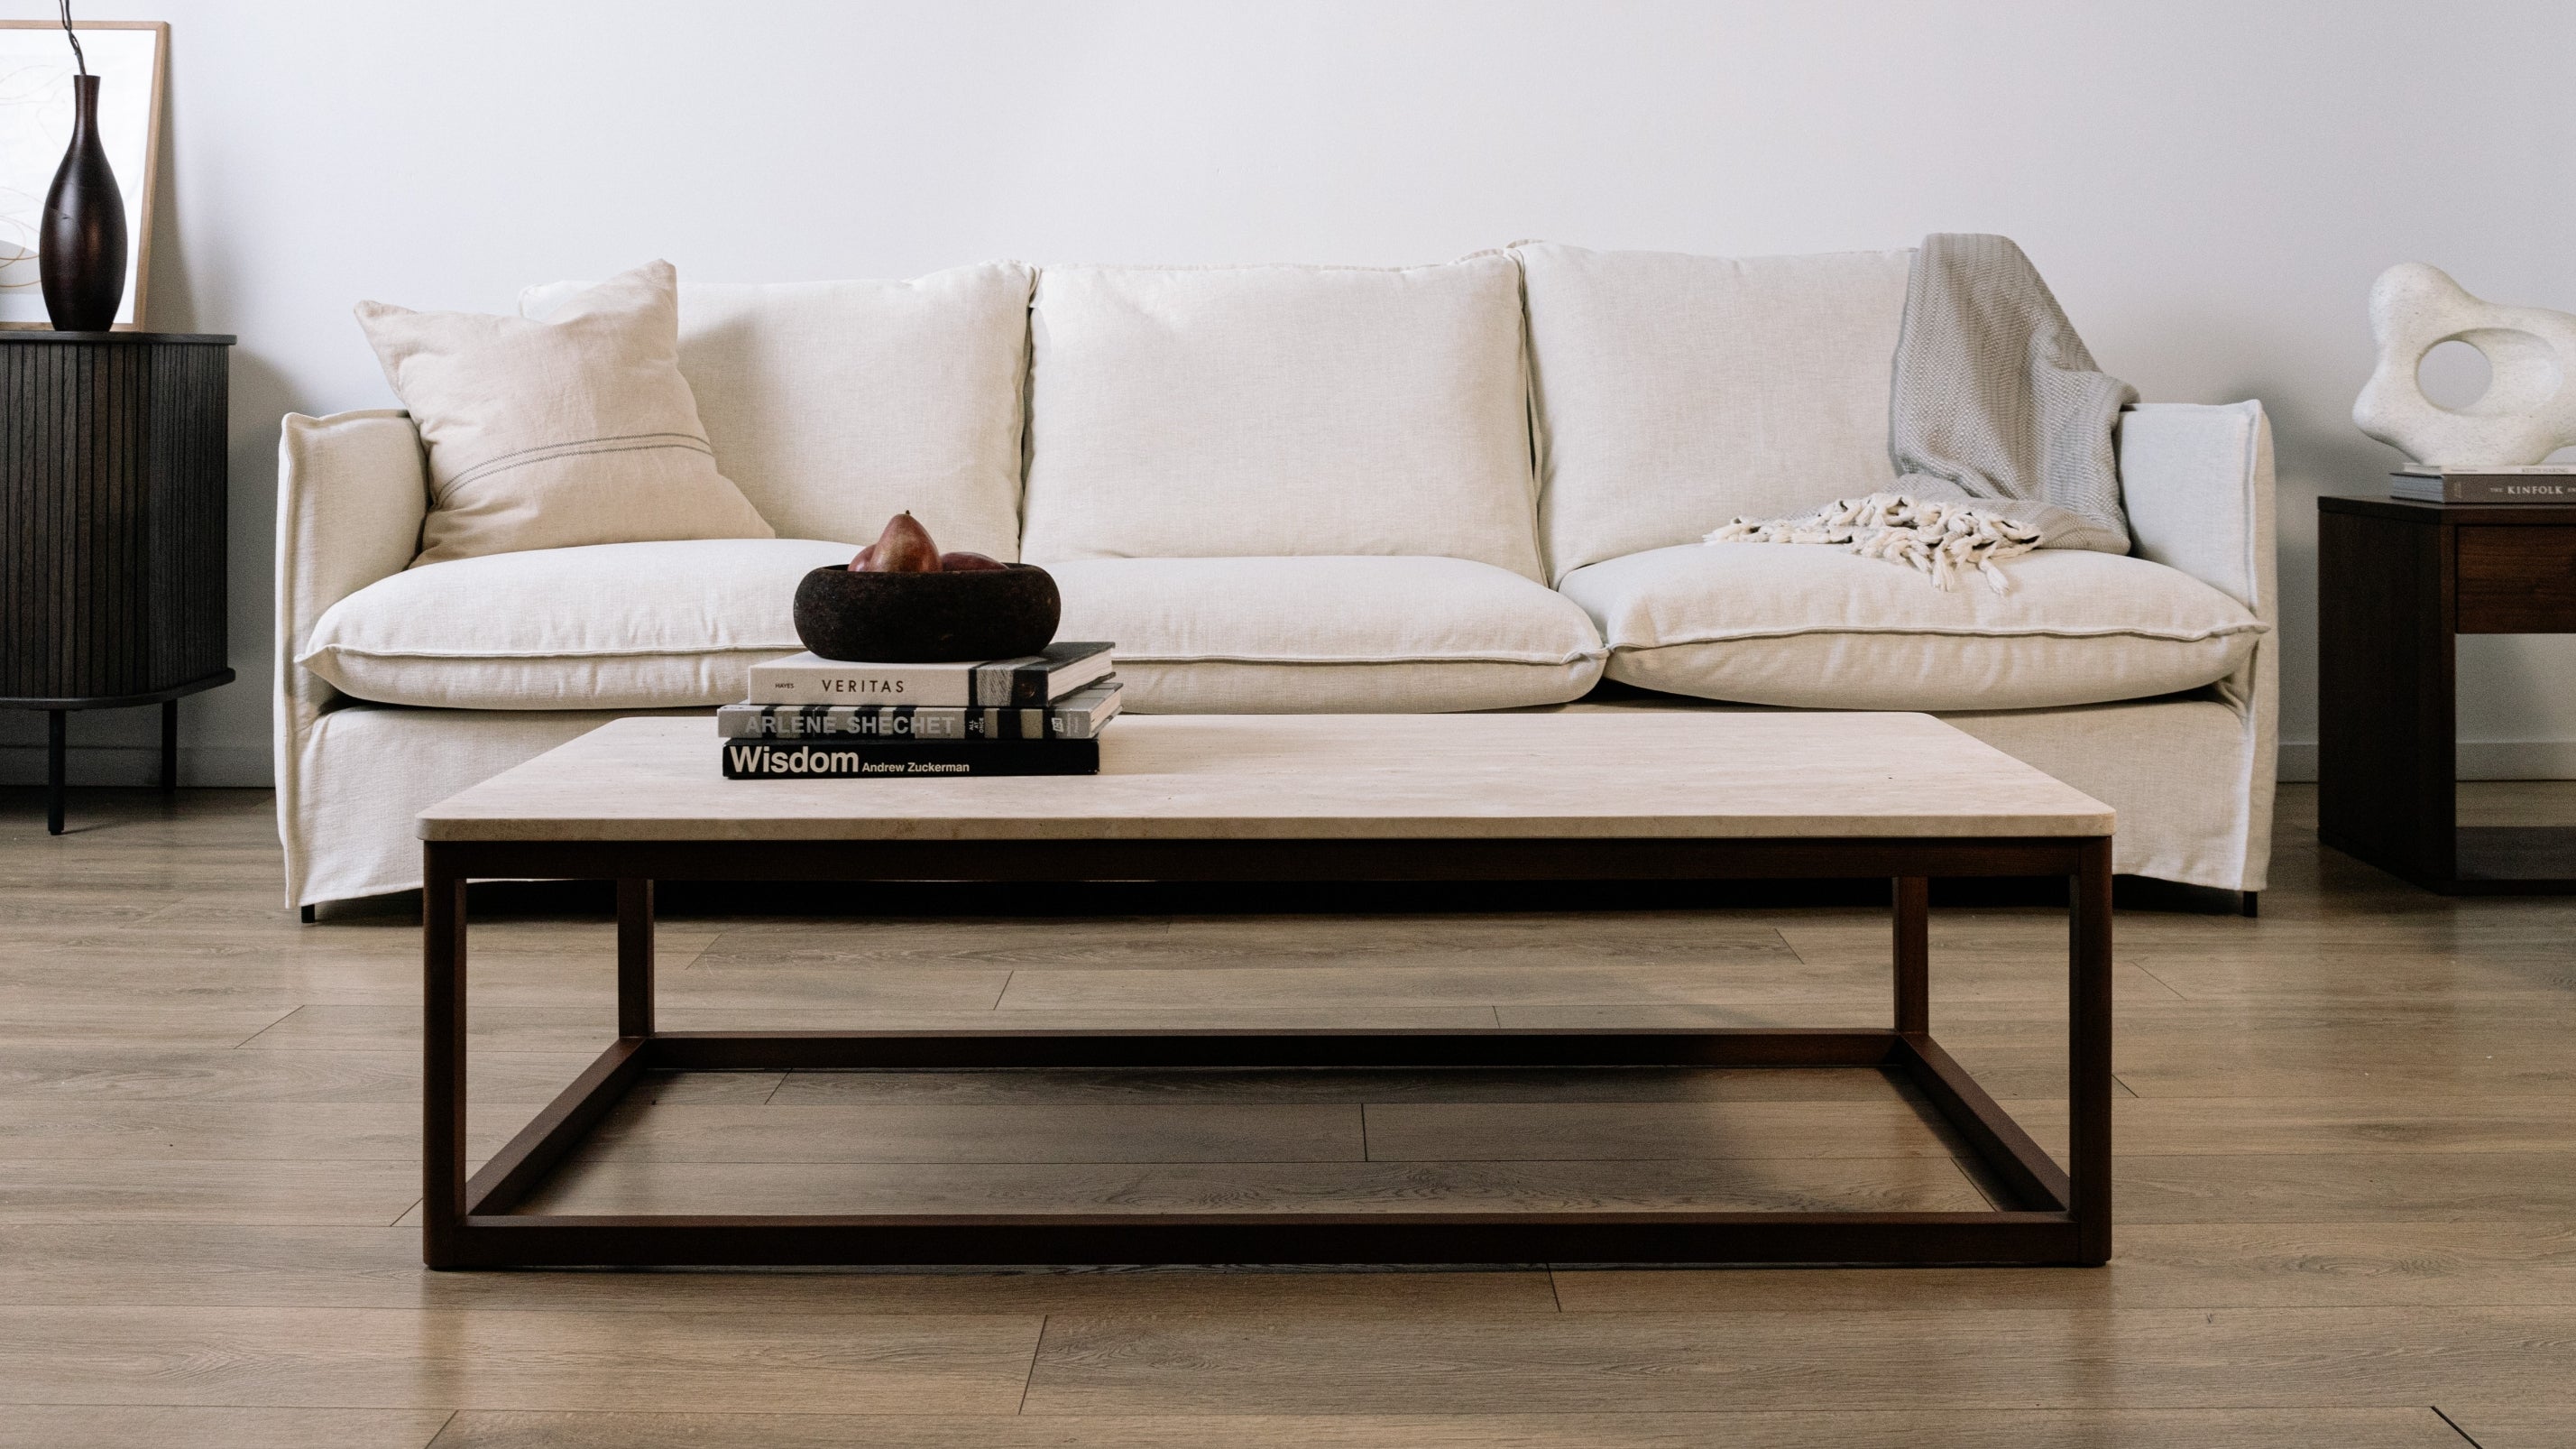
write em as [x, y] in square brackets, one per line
[129, 57]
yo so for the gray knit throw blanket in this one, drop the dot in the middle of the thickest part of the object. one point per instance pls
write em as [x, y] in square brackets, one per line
[1998, 422]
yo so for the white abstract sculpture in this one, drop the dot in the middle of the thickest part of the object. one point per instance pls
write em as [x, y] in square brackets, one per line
[2529, 408]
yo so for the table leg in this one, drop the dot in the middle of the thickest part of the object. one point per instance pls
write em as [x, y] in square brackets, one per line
[169, 746]
[54, 742]
[443, 1065]
[2089, 1051]
[634, 958]
[1913, 954]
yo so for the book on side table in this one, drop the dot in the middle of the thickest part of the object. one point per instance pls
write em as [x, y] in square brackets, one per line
[814, 718]
[2542, 483]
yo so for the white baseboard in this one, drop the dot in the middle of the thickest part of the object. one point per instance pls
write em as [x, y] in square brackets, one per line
[2478, 760]
[209, 765]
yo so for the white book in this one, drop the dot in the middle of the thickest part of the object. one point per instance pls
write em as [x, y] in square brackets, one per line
[1026, 682]
[2541, 483]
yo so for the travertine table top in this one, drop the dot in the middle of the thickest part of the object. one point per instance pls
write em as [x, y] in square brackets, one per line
[1540, 775]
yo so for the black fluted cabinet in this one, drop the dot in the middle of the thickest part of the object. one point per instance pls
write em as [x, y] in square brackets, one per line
[112, 527]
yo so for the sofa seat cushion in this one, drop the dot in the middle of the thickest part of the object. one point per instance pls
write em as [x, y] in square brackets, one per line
[610, 626]
[1819, 628]
[1328, 635]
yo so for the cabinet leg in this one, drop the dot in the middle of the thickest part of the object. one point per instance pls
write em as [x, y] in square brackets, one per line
[54, 741]
[169, 746]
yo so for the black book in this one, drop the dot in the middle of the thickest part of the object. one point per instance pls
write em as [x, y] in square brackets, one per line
[863, 758]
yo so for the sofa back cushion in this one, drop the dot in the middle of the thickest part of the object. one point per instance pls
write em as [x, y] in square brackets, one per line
[578, 429]
[1277, 410]
[1675, 393]
[836, 405]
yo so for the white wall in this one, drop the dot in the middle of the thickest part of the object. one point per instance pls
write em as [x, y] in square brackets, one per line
[2210, 187]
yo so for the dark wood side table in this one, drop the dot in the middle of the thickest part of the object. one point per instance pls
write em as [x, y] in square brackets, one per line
[112, 503]
[2397, 584]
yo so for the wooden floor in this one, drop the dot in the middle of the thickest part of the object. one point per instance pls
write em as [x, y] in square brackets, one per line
[2347, 1196]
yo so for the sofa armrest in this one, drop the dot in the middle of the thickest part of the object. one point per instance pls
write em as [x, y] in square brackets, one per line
[352, 489]
[2197, 483]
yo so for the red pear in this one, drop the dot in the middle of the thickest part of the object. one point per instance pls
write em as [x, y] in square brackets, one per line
[904, 548]
[969, 563]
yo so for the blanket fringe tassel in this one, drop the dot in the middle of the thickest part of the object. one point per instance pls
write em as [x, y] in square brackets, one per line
[1938, 537]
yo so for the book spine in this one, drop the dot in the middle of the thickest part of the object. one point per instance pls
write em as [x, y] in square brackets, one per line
[1021, 683]
[2508, 490]
[794, 684]
[1013, 724]
[1006, 684]
[863, 759]
[867, 721]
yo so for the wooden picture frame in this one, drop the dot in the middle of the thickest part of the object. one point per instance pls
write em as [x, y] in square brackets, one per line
[33, 121]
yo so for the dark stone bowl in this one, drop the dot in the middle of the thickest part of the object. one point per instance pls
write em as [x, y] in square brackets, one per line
[927, 618]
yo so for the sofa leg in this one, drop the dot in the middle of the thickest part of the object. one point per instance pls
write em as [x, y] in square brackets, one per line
[308, 915]
[2249, 903]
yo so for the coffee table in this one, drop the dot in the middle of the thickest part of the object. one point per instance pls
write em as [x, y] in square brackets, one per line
[1573, 795]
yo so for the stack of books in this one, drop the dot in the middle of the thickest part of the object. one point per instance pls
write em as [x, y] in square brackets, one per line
[2540, 483]
[814, 718]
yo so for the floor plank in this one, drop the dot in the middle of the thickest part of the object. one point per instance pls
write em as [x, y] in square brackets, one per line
[2495, 1426]
[2348, 1187]
[445, 1358]
[117, 1426]
[1293, 1086]
[1635, 1131]
[2139, 1359]
[201, 1131]
[2157, 1265]
[65, 1073]
[1073, 988]
[2172, 1126]
[2202, 1429]
[221, 1265]
[601, 1180]
[304, 1190]
[1126, 1132]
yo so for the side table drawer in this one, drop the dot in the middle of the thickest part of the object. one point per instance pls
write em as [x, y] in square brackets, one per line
[2517, 579]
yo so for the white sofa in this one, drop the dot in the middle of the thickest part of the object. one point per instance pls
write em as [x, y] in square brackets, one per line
[1307, 489]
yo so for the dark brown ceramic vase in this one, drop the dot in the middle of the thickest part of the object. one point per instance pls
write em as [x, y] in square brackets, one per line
[80, 245]
[927, 618]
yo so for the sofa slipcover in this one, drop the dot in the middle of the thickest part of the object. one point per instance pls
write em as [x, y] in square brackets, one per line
[609, 626]
[1819, 628]
[1265, 411]
[2190, 773]
[1353, 635]
[836, 405]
